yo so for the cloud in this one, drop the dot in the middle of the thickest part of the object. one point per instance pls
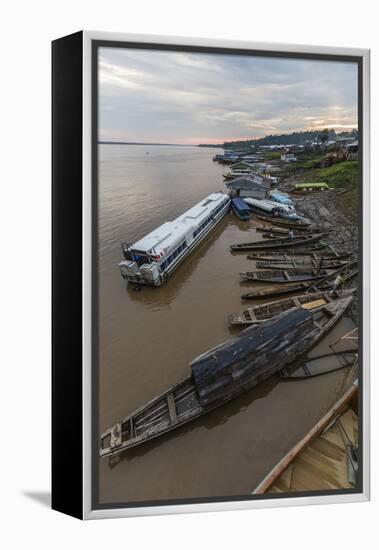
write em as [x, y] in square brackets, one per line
[174, 97]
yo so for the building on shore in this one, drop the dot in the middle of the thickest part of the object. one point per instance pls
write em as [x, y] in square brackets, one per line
[254, 186]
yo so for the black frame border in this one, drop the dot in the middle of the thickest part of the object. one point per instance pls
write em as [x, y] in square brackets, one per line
[67, 255]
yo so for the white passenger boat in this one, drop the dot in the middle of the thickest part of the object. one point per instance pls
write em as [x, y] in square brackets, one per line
[271, 208]
[151, 260]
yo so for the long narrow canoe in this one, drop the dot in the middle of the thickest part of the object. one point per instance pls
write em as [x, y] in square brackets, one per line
[325, 458]
[296, 234]
[326, 284]
[302, 240]
[285, 275]
[225, 372]
[321, 364]
[284, 231]
[260, 313]
[283, 222]
[278, 257]
[330, 263]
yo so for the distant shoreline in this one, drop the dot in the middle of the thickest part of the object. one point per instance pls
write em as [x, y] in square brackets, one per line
[157, 144]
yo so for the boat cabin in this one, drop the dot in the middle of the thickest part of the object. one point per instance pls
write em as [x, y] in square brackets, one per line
[241, 209]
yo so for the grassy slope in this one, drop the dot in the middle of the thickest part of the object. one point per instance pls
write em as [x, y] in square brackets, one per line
[342, 174]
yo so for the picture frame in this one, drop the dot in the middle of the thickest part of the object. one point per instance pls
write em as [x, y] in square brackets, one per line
[75, 272]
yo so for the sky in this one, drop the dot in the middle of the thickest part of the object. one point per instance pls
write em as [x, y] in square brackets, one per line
[191, 98]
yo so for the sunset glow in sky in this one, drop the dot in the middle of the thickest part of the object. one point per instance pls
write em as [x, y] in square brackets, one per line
[191, 98]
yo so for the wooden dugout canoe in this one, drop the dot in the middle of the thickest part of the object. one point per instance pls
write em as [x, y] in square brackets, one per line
[278, 257]
[296, 234]
[225, 372]
[284, 223]
[260, 313]
[323, 263]
[348, 273]
[321, 364]
[284, 231]
[316, 248]
[298, 241]
[284, 276]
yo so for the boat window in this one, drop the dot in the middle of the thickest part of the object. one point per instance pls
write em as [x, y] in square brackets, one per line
[173, 255]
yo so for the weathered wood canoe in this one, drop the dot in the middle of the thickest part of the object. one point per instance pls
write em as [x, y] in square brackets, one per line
[325, 458]
[260, 313]
[224, 372]
[278, 257]
[348, 273]
[285, 275]
[296, 234]
[325, 263]
[315, 251]
[321, 364]
[302, 240]
[284, 231]
[256, 354]
[283, 222]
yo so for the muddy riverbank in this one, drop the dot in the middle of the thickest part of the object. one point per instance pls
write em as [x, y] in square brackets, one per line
[325, 210]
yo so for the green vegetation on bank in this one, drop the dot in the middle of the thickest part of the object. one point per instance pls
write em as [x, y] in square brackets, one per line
[341, 174]
[272, 155]
[304, 162]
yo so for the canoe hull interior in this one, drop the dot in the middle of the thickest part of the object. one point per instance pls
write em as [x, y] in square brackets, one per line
[170, 410]
[312, 252]
[261, 313]
[323, 364]
[315, 264]
[323, 285]
[284, 276]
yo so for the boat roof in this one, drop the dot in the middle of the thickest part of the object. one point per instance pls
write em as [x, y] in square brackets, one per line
[240, 204]
[213, 362]
[251, 180]
[171, 232]
[266, 204]
[281, 198]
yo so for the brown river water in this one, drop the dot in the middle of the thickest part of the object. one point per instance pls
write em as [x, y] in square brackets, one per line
[148, 338]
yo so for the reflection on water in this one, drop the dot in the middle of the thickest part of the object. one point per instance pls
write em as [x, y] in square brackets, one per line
[148, 338]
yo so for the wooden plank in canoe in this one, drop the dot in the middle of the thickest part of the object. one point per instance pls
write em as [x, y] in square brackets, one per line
[315, 303]
[171, 407]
